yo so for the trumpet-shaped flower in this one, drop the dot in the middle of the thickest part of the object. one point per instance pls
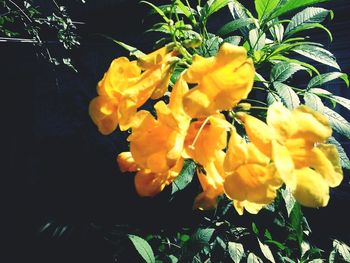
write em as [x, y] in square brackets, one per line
[222, 81]
[205, 138]
[294, 141]
[124, 88]
[251, 180]
[157, 144]
[211, 182]
[148, 183]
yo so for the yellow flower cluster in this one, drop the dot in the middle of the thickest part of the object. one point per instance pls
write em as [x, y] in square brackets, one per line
[289, 149]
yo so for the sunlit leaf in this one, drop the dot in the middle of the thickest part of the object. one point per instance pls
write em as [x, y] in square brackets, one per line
[234, 25]
[289, 98]
[265, 7]
[318, 54]
[344, 159]
[327, 77]
[143, 248]
[314, 102]
[252, 258]
[236, 251]
[284, 70]
[266, 251]
[338, 123]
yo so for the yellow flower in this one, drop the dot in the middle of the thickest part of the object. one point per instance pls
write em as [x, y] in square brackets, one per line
[157, 144]
[148, 183]
[124, 88]
[251, 180]
[222, 81]
[294, 141]
[205, 138]
[211, 182]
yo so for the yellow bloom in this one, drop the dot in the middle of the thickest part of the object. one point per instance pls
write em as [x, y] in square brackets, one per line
[126, 162]
[211, 182]
[157, 144]
[294, 141]
[124, 88]
[250, 178]
[222, 81]
[205, 138]
[148, 183]
[252, 208]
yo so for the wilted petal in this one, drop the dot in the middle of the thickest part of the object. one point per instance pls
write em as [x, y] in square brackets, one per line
[311, 189]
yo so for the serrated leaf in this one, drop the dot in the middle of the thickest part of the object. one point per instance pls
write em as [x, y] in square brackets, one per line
[185, 177]
[310, 15]
[320, 91]
[342, 249]
[295, 61]
[234, 25]
[266, 251]
[252, 258]
[288, 96]
[318, 54]
[289, 200]
[203, 235]
[257, 40]
[238, 11]
[342, 101]
[236, 251]
[344, 159]
[143, 248]
[265, 7]
[276, 29]
[291, 5]
[210, 46]
[216, 5]
[338, 123]
[284, 70]
[233, 40]
[272, 98]
[314, 102]
[324, 78]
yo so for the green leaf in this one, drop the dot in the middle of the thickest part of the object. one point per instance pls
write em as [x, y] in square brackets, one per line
[307, 27]
[210, 46]
[255, 229]
[342, 101]
[252, 258]
[310, 15]
[295, 61]
[133, 50]
[236, 251]
[320, 91]
[272, 97]
[313, 101]
[185, 177]
[344, 159]
[324, 78]
[203, 235]
[318, 54]
[266, 251]
[216, 5]
[292, 5]
[173, 259]
[284, 70]
[296, 218]
[143, 248]
[342, 249]
[238, 11]
[234, 40]
[289, 98]
[289, 200]
[276, 29]
[158, 10]
[234, 25]
[257, 39]
[265, 7]
[338, 123]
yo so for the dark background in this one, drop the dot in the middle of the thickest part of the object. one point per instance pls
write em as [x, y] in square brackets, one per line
[58, 168]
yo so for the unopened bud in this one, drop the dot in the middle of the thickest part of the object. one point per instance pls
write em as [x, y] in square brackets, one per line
[244, 106]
